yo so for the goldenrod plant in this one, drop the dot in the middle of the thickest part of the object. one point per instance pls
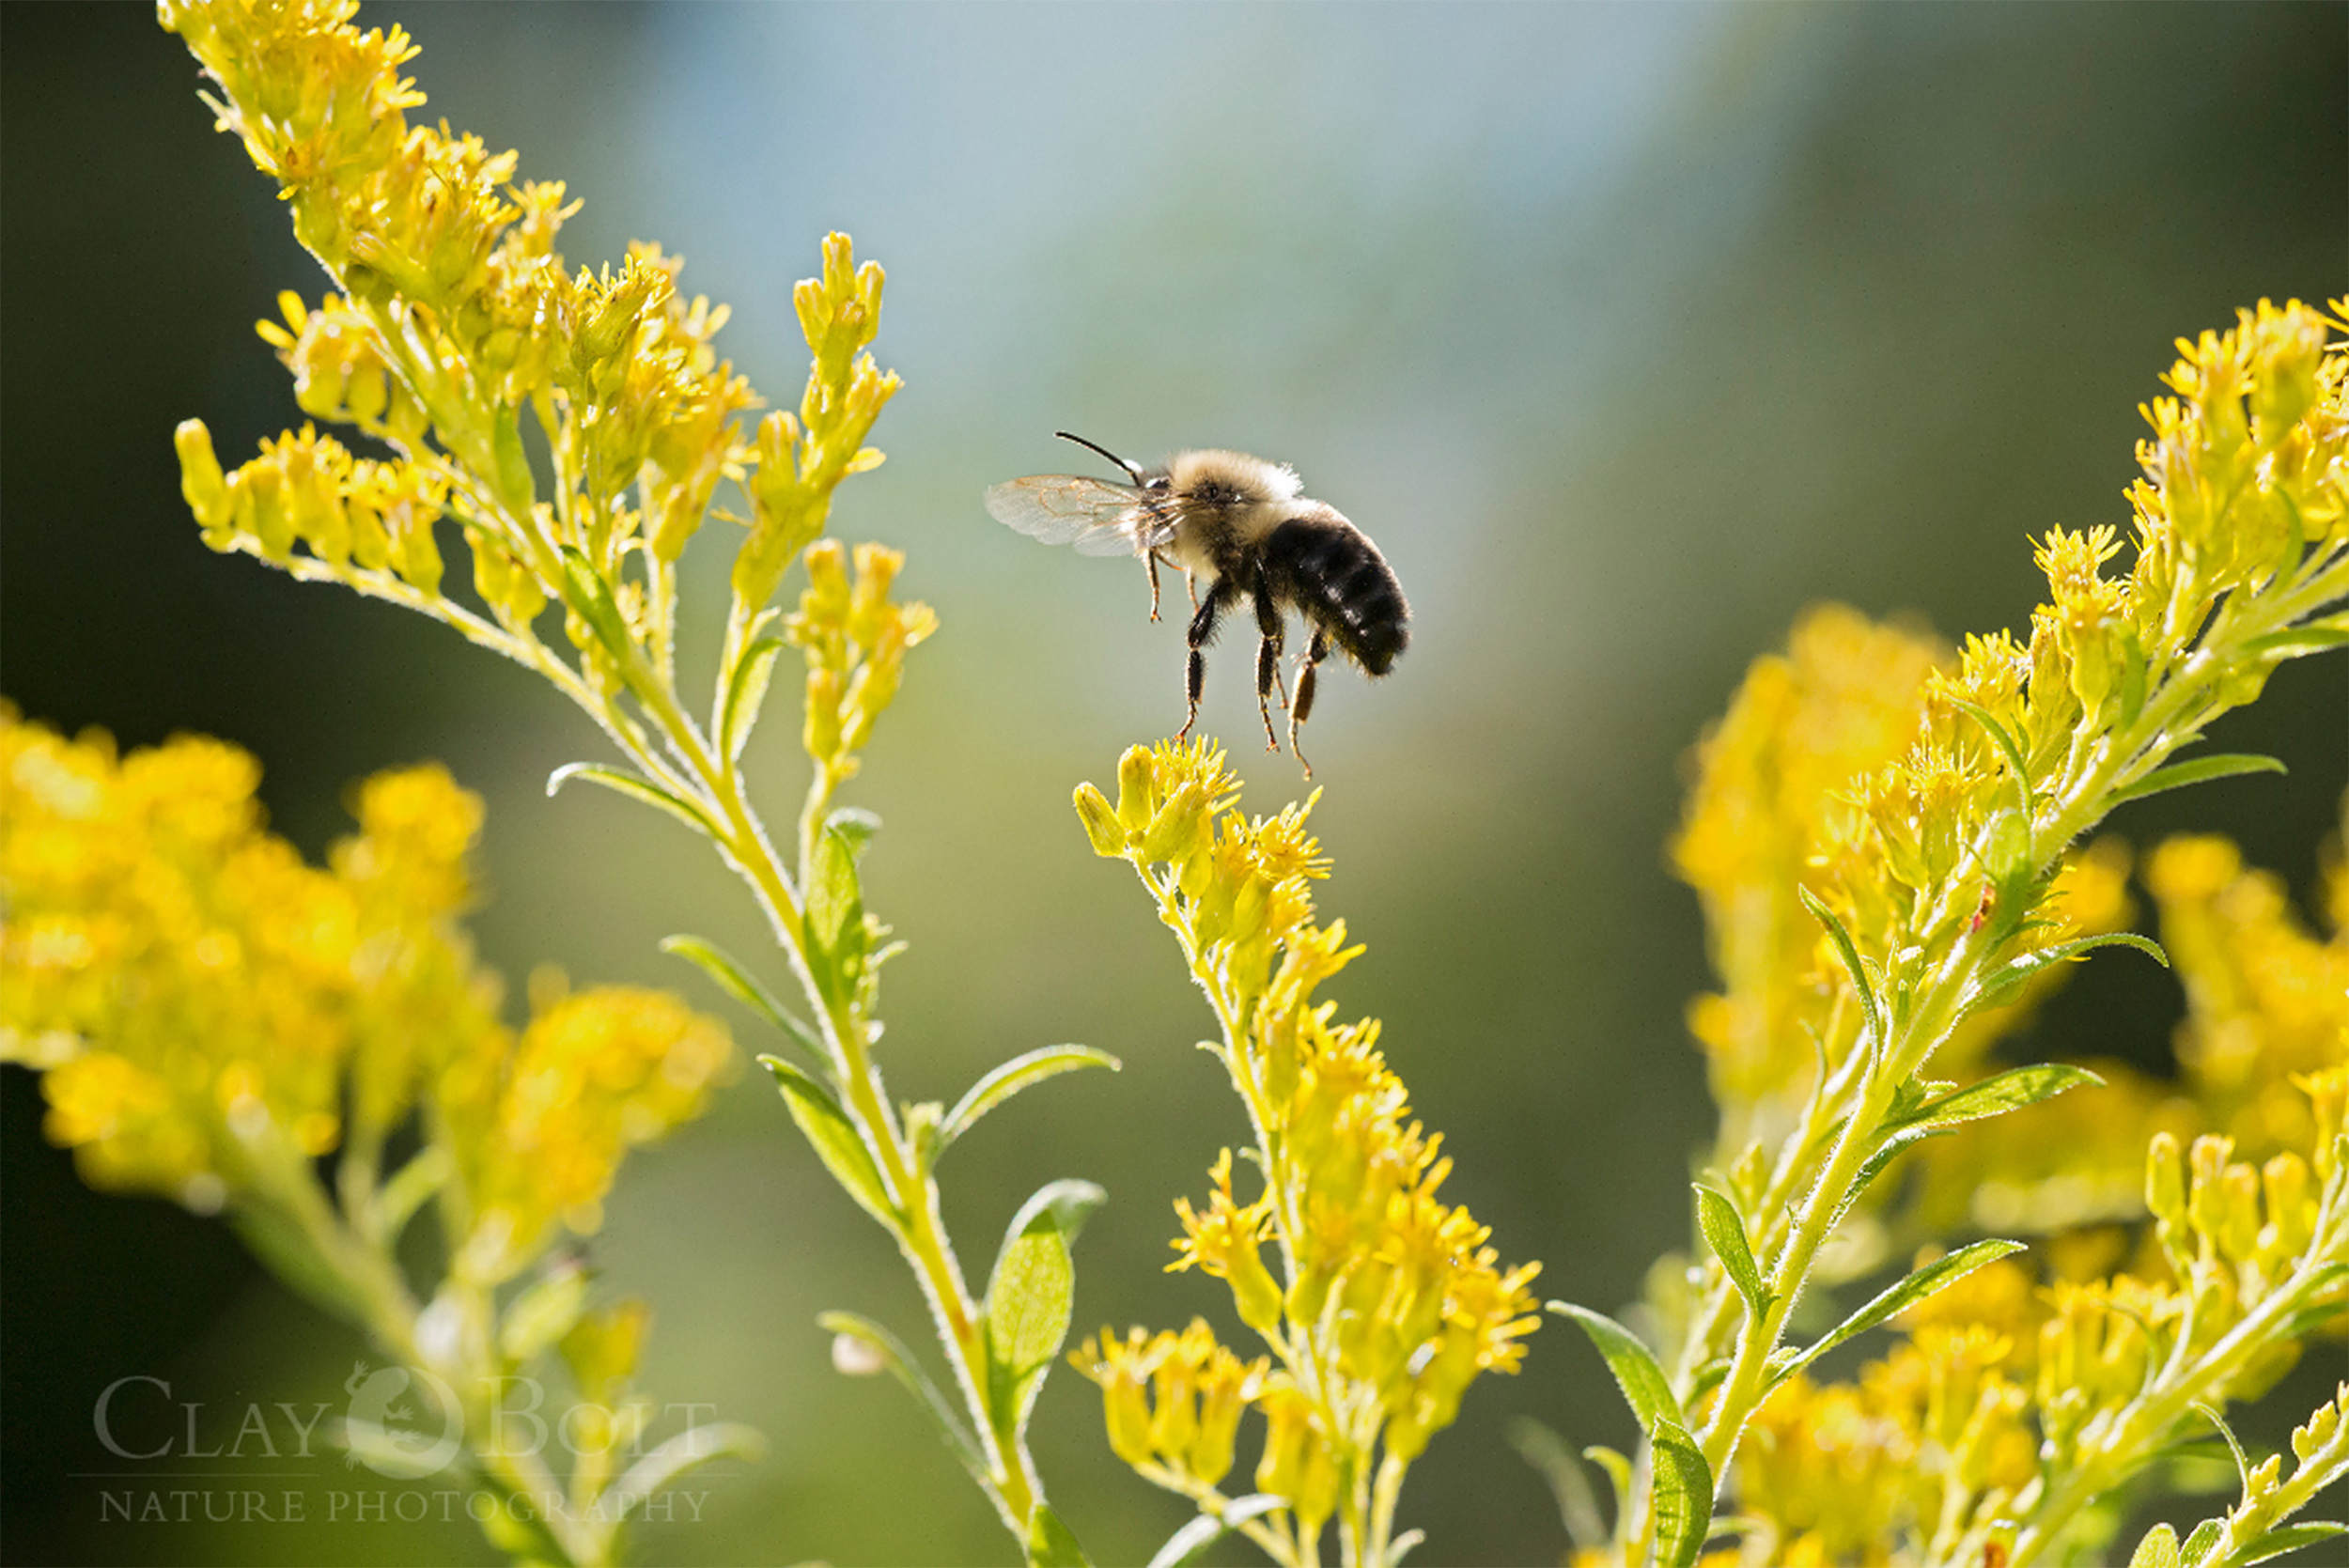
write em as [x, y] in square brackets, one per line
[1889, 845]
[577, 430]
[1388, 1302]
[212, 1017]
[1891, 841]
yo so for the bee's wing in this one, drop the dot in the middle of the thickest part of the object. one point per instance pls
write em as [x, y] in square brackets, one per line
[1097, 517]
[1060, 508]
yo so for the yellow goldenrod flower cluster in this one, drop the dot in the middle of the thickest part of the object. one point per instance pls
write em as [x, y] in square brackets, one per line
[210, 1016]
[575, 426]
[2005, 1393]
[1890, 846]
[1387, 1301]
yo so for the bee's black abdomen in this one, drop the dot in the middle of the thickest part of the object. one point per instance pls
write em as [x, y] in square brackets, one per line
[1340, 582]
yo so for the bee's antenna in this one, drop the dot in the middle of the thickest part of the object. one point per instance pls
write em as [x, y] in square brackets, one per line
[1132, 471]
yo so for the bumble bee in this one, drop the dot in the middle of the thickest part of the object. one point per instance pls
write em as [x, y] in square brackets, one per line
[1238, 522]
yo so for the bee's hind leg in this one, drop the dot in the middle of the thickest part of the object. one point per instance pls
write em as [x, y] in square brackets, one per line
[1316, 652]
[1269, 663]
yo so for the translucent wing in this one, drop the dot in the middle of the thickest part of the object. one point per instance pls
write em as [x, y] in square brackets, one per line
[1095, 515]
[1058, 507]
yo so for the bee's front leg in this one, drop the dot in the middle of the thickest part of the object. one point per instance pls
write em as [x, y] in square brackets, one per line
[1152, 556]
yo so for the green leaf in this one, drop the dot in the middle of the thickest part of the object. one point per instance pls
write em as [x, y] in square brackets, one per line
[1030, 1296]
[2159, 1549]
[2006, 742]
[591, 596]
[835, 916]
[696, 1445]
[1011, 1078]
[2275, 1542]
[1049, 1542]
[2200, 770]
[1844, 945]
[1996, 1096]
[2198, 1546]
[2242, 1459]
[1683, 1495]
[901, 1365]
[834, 1139]
[286, 1249]
[1934, 1277]
[2294, 641]
[1893, 1147]
[1990, 990]
[397, 1199]
[1724, 1228]
[736, 982]
[746, 694]
[634, 788]
[543, 1312]
[1189, 1543]
[855, 824]
[1645, 1387]
[1553, 1459]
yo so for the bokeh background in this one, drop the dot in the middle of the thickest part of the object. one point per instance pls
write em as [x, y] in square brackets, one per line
[1626, 331]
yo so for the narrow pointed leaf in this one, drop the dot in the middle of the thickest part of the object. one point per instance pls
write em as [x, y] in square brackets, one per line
[901, 1365]
[1645, 1387]
[1992, 1097]
[398, 1200]
[592, 598]
[1683, 1495]
[1030, 1296]
[1992, 988]
[2242, 1459]
[2200, 770]
[2200, 1545]
[696, 1445]
[1724, 1228]
[746, 694]
[635, 789]
[1554, 1461]
[1895, 1146]
[1617, 1471]
[1850, 952]
[1185, 1544]
[1934, 1277]
[835, 916]
[1050, 1543]
[2275, 1542]
[1011, 1078]
[2294, 640]
[834, 1139]
[738, 983]
[2006, 743]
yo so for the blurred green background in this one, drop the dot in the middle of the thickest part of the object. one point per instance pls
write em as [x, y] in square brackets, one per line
[1625, 330]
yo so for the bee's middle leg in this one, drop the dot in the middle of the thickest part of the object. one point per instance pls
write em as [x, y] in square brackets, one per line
[1268, 664]
[1202, 632]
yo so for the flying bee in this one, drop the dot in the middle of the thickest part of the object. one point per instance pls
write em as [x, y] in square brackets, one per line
[1239, 523]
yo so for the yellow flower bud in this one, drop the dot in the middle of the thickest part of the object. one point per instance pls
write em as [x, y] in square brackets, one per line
[2165, 1179]
[201, 481]
[1102, 828]
[1137, 796]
